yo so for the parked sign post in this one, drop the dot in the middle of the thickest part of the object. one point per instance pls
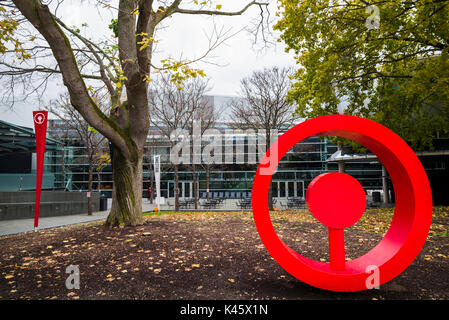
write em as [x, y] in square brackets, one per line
[40, 132]
[157, 178]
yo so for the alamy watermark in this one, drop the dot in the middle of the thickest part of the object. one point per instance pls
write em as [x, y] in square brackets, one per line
[231, 146]
[373, 21]
[373, 280]
[73, 280]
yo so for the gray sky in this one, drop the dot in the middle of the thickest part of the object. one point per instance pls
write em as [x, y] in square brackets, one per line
[183, 35]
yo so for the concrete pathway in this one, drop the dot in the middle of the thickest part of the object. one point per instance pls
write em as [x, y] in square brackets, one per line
[25, 225]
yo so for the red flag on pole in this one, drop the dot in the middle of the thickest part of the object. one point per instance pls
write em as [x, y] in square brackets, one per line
[40, 132]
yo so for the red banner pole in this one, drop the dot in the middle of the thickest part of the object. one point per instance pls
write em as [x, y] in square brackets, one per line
[40, 132]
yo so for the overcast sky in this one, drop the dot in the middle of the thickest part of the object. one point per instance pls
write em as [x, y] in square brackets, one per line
[183, 35]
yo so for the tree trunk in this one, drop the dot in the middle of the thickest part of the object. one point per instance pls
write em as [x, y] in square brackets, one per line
[127, 191]
[195, 186]
[99, 184]
[176, 188]
[207, 181]
[89, 189]
[341, 166]
[63, 168]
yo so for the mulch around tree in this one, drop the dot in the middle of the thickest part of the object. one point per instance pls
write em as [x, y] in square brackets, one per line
[208, 255]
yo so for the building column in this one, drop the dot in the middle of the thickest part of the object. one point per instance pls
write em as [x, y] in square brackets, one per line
[341, 163]
[341, 166]
[385, 185]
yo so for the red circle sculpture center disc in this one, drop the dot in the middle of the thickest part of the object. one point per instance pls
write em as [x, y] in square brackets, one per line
[345, 200]
[412, 215]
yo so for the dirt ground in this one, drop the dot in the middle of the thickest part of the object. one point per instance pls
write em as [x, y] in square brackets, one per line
[204, 256]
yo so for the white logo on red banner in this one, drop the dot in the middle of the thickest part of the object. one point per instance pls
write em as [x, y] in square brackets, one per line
[39, 118]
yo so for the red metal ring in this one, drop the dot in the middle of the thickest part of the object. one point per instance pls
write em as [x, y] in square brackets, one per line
[412, 215]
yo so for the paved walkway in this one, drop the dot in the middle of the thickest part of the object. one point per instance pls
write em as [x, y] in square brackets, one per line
[26, 225]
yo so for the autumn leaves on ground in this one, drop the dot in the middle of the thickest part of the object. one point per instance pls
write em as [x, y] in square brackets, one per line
[207, 255]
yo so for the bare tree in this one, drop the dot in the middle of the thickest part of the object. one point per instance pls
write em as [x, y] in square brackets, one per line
[263, 104]
[205, 116]
[125, 64]
[173, 109]
[80, 130]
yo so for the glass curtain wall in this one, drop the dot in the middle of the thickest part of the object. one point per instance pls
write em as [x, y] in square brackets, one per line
[232, 178]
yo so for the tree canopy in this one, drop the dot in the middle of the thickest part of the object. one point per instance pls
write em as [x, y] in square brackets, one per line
[386, 60]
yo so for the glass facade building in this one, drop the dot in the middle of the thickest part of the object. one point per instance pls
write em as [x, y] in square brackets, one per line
[230, 176]
[18, 160]
[67, 167]
[234, 179]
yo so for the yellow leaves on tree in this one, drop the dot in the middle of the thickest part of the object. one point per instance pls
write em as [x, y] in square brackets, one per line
[8, 42]
[180, 71]
[145, 40]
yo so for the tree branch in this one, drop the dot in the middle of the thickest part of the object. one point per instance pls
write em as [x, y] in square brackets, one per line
[18, 70]
[107, 80]
[220, 13]
[42, 19]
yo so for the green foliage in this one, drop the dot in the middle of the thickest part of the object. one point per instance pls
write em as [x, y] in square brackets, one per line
[418, 107]
[395, 73]
[114, 27]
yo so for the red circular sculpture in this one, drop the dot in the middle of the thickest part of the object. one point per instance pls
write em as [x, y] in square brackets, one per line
[409, 227]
